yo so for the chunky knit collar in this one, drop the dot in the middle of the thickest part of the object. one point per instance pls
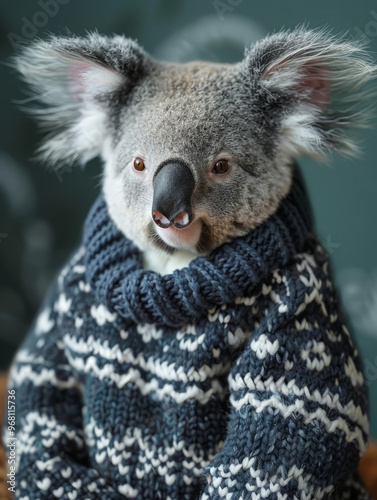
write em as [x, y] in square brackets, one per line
[116, 274]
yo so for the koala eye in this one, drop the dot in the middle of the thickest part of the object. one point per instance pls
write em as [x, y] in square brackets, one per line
[139, 164]
[221, 167]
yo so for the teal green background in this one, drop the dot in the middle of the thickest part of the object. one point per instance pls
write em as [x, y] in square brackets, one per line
[41, 214]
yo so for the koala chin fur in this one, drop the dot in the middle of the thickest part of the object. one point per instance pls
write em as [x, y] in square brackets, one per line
[294, 93]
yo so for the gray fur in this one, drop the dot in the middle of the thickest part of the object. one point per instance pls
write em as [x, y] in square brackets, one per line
[261, 114]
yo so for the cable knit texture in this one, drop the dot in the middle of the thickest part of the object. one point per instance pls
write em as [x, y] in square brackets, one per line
[233, 378]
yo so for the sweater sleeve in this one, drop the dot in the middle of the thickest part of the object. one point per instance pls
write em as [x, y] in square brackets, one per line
[51, 458]
[298, 413]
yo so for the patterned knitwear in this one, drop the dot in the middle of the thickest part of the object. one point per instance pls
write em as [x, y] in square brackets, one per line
[232, 378]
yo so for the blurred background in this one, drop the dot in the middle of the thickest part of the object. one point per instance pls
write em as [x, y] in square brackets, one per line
[41, 212]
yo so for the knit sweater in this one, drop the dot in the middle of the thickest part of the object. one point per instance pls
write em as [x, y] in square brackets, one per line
[232, 378]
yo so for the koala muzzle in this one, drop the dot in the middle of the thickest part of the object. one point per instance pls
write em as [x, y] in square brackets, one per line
[173, 186]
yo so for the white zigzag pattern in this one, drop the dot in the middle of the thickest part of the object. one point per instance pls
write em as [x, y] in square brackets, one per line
[162, 369]
[150, 458]
[135, 377]
[328, 399]
[221, 482]
[298, 408]
[51, 431]
[45, 376]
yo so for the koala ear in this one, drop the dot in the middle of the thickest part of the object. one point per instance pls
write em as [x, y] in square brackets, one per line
[75, 81]
[314, 87]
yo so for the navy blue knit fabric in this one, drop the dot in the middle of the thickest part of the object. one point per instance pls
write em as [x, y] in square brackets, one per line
[233, 378]
[115, 270]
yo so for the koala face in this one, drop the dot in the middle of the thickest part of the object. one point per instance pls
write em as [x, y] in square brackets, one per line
[192, 115]
[199, 153]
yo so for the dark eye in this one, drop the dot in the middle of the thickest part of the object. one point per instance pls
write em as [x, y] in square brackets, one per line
[139, 164]
[221, 167]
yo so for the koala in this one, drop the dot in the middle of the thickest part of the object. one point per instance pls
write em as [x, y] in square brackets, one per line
[198, 268]
[237, 129]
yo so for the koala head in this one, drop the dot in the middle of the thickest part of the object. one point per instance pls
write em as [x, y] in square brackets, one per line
[196, 154]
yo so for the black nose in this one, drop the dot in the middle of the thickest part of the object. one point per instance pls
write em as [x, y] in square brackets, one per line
[173, 186]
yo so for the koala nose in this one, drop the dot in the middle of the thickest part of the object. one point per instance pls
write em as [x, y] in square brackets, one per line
[173, 186]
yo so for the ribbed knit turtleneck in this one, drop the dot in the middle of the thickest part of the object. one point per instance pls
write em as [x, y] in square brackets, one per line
[115, 270]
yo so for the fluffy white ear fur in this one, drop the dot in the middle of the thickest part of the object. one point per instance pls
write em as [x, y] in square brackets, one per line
[327, 80]
[310, 80]
[67, 88]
